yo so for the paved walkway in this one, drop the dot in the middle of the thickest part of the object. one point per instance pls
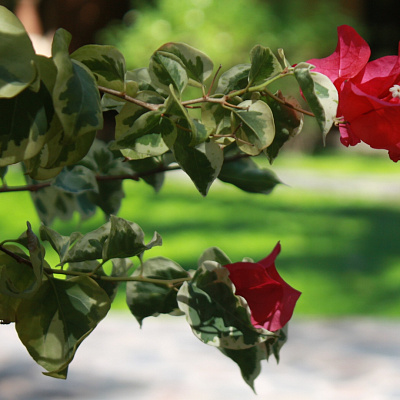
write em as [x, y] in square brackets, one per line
[376, 186]
[343, 359]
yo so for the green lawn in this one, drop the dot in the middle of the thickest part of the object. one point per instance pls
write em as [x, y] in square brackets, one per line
[342, 252]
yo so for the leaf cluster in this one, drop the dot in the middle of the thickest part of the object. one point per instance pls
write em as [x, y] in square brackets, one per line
[52, 108]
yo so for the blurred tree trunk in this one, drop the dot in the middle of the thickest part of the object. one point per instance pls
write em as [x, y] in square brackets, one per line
[382, 19]
[82, 18]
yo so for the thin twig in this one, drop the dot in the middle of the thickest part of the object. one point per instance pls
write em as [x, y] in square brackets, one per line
[167, 282]
[15, 256]
[31, 188]
[213, 81]
[287, 104]
[99, 178]
[92, 274]
[124, 96]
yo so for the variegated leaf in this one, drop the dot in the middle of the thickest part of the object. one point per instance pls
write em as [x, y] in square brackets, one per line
[57, 318]
[75, 96]
[166, 69]
[234, 79]
[264, 65]
[146, 299]
[257, 128]
[202, 163]
[216, 315]
[105, 62]
[320, 93]
[24, 125]
[17, 56]
[198, 65]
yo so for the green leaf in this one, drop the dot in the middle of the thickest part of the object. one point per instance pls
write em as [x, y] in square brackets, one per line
[17, 279]
[142, 77]
[54, 156]
[59, 243]
[191, 131]
[126, 239]
[105, 62]
[3, 172]
[121, 266]
[110, 287]
[198, 66]
[51, 202]
[273, 346]
[8, 308]
[248, 360]
[36, 256]
[23, 138]
[90, 246]
[320, 93]
[288, 123]
[214, 254]
[150, 145]
[17, 56]
[57, 318]
[22, 240]
[264, 65]
[234, 79]
[21, 275]
[285, 62]
[202, 163]
[47, 72]
[76, 97]
[146, 299]
[111, 103]
[78, 179]
[155, 180]
[245, 174]
[218, 317]
[127, 127]
[166, 69]
[257, 127]
[217, 120]
[101, 161]
[145, 124]
[109, 197]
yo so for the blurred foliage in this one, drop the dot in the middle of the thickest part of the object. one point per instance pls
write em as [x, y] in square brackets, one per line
[226, 30]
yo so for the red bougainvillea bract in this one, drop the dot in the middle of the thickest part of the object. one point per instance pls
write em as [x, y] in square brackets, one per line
[271, 300]
[369, 93]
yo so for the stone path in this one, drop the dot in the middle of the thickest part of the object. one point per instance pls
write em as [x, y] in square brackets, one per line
[337, 359]
[377, 186]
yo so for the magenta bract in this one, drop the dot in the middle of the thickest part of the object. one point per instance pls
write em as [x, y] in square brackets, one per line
[271, 300]
[369, 93]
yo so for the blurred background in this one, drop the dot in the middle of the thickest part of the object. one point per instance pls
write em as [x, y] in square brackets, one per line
[337, 214]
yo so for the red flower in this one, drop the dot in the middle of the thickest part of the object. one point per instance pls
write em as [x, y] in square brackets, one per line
[369, 93]
[271, 300]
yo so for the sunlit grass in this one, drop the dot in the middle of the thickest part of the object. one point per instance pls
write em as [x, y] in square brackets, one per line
[341, 252]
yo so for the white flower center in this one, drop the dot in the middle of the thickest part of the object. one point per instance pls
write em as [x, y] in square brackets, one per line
[395, 90]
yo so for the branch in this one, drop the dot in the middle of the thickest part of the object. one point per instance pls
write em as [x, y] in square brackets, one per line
[168, 282]
[31, 188]
[154, 107]
[38, 186]
[124, 96]
[15, 256]
[286, 103]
